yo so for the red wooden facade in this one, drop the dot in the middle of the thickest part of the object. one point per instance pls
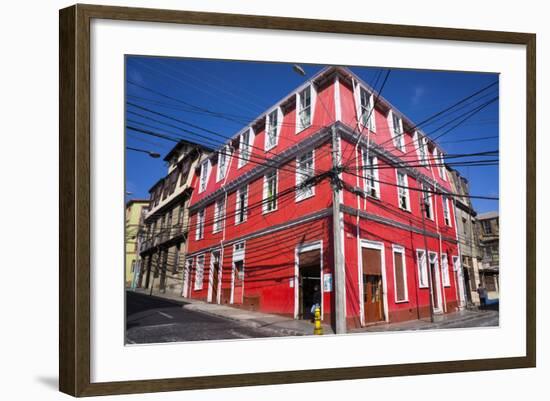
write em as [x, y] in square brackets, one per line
[254, 249]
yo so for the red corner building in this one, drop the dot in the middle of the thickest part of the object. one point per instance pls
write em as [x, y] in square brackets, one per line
[261, 213]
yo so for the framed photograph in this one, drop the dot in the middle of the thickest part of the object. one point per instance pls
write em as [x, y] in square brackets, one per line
[250, 200]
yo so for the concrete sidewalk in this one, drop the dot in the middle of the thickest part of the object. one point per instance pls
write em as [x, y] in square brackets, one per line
[461, 319]
[278, 325]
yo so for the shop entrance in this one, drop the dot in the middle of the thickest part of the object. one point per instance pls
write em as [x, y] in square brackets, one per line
[309, 282]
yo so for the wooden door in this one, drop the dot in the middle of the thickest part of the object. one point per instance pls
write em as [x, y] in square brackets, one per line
[372, 285]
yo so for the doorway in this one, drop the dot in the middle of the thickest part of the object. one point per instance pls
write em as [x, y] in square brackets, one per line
[460, 282]
[309, 291]
[436, 284]
[238, 282]
[186, 277]
[373, 302]
[215, 271]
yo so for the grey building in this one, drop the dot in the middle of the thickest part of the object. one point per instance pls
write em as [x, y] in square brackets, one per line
[165, 230]
[488, 232]
[470, 257]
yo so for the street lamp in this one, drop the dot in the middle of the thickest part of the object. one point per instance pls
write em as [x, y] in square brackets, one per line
[154, 155]
[299, 70]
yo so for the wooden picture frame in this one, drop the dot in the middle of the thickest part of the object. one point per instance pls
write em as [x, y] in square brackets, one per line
[75, 208]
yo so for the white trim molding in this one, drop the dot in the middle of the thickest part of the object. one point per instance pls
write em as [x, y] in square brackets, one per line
[400, 250]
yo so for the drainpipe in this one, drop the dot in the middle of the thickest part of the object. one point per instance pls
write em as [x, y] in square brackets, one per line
[224, 223]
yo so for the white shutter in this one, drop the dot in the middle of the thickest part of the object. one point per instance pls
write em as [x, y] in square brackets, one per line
[390, 125]
[357, 98]
[297, 112]
[372, 114]
[313, 95]
[279, 122]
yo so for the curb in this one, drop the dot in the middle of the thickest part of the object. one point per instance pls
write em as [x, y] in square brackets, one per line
[255, 323]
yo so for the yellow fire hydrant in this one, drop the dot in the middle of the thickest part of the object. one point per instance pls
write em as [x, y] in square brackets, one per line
[318, 330]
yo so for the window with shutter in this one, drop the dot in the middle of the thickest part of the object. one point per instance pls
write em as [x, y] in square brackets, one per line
[403, 191]
[445, 270]
[244, 147]
[400, 274]
[427, 198]
[272, 129]
[241, 204]
[422, 268]
[370, 171]
[219, 215]
[270, 192]
[199, 273]
[304, 171]
[304, 109]
[199, 233]
[366, 109]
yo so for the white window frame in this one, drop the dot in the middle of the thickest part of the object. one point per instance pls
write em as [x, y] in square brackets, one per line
[238, 256]
[302, 175]
[397, 137]
[277, 112]
[436, 285]
[446, 211]
[224, 154]
[400, 250]
[421, 147]
[312, 99]
[403, 191]
[245, 206]
[199, 278]
[245, 148]
[446, 279]
[219, 215]
[430, 197]
[199, 231]
[264, 197]
[204, 174]
[368, 176]
[440, 161]
[361, 109]
[422, 267]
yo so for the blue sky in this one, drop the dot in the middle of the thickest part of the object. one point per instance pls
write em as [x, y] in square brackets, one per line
[239, 91]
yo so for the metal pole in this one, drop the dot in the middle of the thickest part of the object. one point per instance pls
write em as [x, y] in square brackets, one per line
[339, 283]
[426, 256]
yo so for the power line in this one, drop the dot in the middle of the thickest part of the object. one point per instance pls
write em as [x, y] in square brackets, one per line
[449, 194]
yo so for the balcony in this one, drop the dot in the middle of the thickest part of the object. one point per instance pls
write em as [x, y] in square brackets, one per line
[164, 237]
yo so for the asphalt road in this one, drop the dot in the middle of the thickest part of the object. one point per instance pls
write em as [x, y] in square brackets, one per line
[155, 320]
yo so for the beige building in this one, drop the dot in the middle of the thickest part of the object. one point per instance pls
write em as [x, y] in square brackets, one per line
[488, 232]
[166, 222]
[135, 213]
[467, 272]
